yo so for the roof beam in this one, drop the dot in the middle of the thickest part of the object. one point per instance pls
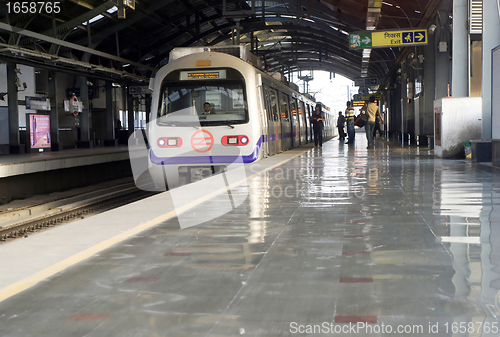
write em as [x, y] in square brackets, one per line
[9, 28]
[134, 17]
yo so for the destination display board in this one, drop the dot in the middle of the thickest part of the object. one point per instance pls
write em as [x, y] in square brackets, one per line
[200, 75]
[358, 103]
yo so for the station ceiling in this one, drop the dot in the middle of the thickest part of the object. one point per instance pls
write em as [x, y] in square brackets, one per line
[88, 36]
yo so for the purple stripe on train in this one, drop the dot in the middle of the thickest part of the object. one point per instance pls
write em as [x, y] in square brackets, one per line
[207, 159]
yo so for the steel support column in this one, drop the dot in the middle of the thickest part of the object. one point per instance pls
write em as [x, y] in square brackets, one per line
[460, 51]
[491, 39]
[130, 114]
[148, 100]
[109, 111]
[54, 111]
[14, 143]
[84, 140]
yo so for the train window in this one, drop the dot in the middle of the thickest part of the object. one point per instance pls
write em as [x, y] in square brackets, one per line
[215, 98]
[267, 102]
[238, 100]
[284, 105]
[183, 100]
[293, 107]
[274, 104]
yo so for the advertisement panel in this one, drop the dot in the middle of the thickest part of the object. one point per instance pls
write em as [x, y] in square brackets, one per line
[39, 131]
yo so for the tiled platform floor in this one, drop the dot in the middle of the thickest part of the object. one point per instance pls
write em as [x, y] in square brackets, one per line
[338, 241]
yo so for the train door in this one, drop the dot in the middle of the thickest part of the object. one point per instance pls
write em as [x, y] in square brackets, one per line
[276, 132]
[271, 124]
[309, 125]
[295, 122]
[302, 123]
[286, 125]
[264, 108]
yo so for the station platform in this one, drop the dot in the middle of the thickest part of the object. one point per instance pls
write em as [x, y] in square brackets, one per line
[12, 165]
[23, 176]
[340, 240]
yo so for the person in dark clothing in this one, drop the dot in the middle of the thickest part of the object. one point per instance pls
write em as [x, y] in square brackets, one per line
[118, 126]
[349, 118]
[317, 121]
[340, 126]
[377, 127]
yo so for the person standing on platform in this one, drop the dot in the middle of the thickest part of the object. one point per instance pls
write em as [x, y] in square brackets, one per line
[372, 111]
[349, 119]
[340, 126]
[317, 121]
[118, 126]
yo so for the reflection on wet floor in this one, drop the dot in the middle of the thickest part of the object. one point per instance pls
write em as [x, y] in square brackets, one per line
[338, 237]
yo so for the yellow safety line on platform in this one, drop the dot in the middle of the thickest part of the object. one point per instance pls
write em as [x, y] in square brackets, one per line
[24, 284]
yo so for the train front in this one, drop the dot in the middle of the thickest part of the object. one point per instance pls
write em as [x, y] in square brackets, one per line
[204, 121]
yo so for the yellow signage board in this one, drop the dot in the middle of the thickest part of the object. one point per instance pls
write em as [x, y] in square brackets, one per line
[358, 103]
[397, 38]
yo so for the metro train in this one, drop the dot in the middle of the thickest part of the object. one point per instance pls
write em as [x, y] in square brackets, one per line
[252, 114]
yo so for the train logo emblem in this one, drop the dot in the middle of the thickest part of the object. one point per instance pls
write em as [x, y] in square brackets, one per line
[202, 141]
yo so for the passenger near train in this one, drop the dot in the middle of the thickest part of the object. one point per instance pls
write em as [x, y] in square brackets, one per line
[252, 114]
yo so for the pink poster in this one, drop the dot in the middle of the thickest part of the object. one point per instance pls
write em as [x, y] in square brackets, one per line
[39, 131]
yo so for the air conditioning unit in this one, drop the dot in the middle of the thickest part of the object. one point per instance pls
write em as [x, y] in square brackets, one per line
[240, 52]
[476, 17]
[129, 3]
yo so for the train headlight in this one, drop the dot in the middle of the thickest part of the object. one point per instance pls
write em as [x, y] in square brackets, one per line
[235, 140]
[170, 142]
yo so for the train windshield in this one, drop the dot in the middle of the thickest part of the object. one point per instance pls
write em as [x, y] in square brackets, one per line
[207, 101]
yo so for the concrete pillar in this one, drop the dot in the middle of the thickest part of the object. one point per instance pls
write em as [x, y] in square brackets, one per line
[110, 120]
[14, 142]
[491, 39]
[460, 51]
[394, 124]
[442, 57]
[428, 90]
[54, 112]
[410, 133]
[84, 140]
[403, 103]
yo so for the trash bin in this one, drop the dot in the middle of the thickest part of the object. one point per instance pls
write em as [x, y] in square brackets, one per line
[468, 150]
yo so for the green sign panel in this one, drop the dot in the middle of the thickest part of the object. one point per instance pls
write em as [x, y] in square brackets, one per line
[388, 38]
[360, 40]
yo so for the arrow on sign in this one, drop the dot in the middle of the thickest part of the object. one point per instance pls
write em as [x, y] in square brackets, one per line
[366, 40]
[419, 37]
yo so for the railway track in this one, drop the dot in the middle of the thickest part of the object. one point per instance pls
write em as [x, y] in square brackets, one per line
[24, 221]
